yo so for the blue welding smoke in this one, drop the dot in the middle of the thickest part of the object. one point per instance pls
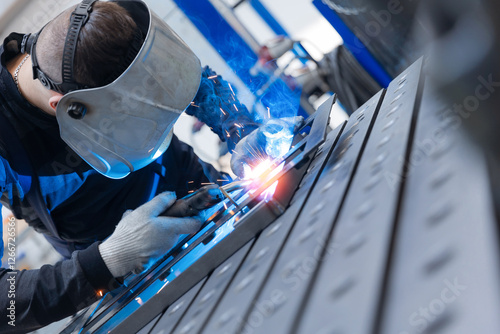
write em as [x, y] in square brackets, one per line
[274, 98]
[281, 100]
[217, 103]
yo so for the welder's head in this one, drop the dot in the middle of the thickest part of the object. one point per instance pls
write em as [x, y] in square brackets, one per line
[124, 78]
[101, 50]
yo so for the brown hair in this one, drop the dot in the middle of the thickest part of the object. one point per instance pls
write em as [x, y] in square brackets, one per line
[102, 44]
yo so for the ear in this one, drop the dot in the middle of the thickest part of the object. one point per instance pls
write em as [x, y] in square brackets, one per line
[54, 100]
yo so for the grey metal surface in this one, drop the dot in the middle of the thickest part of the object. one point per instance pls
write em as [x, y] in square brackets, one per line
[256, 220]
[202, 307]
[240, 294]
[318, 130]
[390, 230]
[318, 162]
[346, 293]
[444, 276]
[300, 255]
[174, 312]
[259, 217]
[146, 329]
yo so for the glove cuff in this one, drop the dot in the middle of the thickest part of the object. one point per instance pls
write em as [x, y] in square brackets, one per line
[119, 259]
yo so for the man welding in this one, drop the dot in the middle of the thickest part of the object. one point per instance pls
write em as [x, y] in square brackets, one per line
[87, 110]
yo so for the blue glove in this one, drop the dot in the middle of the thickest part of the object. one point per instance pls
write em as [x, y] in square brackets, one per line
[217, 106]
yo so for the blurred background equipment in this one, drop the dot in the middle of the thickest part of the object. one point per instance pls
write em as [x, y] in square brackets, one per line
[33, 250]
[463, 43]
[385, 221]
[345, 76]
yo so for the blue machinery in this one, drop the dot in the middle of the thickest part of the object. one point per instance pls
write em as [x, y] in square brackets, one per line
[237, 53]
[240, 56]
[354, 44]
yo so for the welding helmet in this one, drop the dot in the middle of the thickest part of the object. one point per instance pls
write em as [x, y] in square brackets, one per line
[126, 124]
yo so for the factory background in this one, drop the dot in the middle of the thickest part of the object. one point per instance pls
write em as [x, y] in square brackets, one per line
[398, 189]
[300, 17]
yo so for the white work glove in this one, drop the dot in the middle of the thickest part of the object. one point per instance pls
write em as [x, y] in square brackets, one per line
[142, 234]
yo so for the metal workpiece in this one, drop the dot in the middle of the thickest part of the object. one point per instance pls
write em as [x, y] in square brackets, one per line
[202, 307]
[255, 221]
[240, 294]
[174, 312]
[318, 134]
[384, 224]
[318, 162]
[146, 329]
[444, 271]
[229, 227]
[291, 275]
[236, 303]
[346, 292]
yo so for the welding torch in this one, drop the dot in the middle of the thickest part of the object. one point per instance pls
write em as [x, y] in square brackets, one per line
[192, 204]
[202, 199]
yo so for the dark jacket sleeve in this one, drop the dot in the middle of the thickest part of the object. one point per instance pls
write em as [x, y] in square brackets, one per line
[30, 299]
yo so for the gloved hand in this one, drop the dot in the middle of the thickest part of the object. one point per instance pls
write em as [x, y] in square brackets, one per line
[216, 104]
[268, 142]
[142, 235]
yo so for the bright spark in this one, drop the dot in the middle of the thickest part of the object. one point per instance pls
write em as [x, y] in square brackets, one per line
[256, 172]
[253, 173]
[230, 87]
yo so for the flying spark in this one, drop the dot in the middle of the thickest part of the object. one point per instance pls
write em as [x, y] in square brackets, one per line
[230, 87]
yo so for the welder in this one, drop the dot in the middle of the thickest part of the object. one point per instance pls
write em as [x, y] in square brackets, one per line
[87, 151]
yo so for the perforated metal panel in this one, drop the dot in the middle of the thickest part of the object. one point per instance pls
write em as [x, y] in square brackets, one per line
[352, 271]
[444, 277]
[202, 308]
[302, 252]
[390, 230]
